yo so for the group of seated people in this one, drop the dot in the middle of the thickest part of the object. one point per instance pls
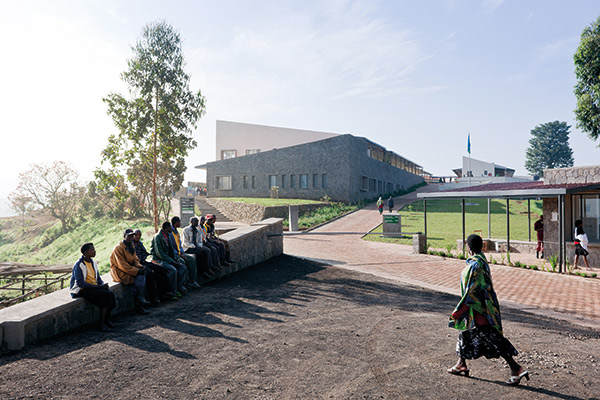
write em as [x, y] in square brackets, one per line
[179, 264]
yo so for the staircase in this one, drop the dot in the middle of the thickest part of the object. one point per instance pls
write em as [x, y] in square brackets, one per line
[205, 208]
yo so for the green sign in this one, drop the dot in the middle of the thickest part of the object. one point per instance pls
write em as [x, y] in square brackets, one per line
[391, 219]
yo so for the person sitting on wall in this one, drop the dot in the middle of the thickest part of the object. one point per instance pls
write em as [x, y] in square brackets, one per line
[193, 240]
[164, 254]
[214, 249]
[211, 236]
[539, 230]
[190, 260]
[87, 283]
[165, 277]
[125, 268]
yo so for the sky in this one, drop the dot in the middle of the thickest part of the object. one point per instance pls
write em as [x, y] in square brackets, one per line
[414, 76]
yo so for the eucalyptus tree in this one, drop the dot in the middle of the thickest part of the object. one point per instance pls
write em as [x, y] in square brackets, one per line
[155, 121]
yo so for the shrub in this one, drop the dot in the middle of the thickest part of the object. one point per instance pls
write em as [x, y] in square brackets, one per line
[553, 260]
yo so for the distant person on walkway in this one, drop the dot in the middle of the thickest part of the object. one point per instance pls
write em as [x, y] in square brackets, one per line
[390, 204]
[539, 229]
[190, 260]
[380, 205]
[164, 278]
[125, 268]
[193, 243]
[164, 254]
[477, 316]
[581, 245]
[86, 283]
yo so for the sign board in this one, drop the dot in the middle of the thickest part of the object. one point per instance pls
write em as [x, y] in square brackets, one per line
[186, 209]
[190, 191]
[391, 225]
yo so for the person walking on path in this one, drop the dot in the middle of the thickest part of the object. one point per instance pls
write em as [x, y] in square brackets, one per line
[390, 204]
[380, 205]
[539, 229]
[86, 283]
[581, 245]
[477, 316]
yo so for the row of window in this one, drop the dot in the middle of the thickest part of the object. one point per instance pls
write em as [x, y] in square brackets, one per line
[226, 154]
[373, 185]
[281, 181]
[389, 157]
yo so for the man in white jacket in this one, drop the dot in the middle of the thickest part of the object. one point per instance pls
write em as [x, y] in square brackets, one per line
[193, 238]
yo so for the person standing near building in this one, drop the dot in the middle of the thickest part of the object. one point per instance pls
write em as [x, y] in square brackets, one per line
[539, 230]
[477, 316]
[390, 204]
[380, 205]
[581, 245]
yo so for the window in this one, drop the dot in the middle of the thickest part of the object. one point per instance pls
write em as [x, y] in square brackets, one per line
[245, 181]
[364, 183]
[587, 209]
[223, 182]
[372, 185]
[253, 181]
[315, 181]
[304, 181]
[324, 180]
[272, 181]
[226, 154]
[252, 151]
[292, 181]
[282, 181]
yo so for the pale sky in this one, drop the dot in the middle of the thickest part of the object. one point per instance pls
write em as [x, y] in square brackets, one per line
[413, 76]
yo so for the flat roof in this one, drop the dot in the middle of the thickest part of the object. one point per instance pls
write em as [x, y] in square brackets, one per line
[521, 190]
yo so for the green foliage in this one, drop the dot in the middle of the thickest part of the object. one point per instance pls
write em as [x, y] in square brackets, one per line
[502, 258]
[156, 123]
[587, 72]
[508, 262]
[492, 259]
[593, 274]
[324, 214]
[553, 260]
[549, 148]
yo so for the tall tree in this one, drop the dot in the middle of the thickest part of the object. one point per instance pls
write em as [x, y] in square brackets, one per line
[155, 123]
[587, 89]
[53, 187]
[549, 148]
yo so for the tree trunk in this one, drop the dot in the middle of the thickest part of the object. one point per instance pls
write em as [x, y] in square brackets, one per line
[154, 166]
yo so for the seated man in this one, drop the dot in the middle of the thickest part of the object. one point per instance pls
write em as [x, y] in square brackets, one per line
[190, 260]
[165, 277]
[86, 283]
[193, 238]
[163, 254]
[211, 237]
[125, 268]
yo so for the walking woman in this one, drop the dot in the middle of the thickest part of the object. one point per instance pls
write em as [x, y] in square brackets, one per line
[477, 316]
[581, 245]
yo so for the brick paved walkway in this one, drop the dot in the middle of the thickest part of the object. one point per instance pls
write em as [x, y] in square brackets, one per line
[571, 298]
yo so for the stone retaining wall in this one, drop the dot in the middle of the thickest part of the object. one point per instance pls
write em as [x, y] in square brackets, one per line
[588, 174]
[251, 213]
[57, 312]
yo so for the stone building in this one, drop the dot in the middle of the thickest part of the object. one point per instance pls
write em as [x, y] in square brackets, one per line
[343, 167]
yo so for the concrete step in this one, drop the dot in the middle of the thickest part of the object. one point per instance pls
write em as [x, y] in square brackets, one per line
[206, 208]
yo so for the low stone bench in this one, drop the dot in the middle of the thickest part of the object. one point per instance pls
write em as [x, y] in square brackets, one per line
[58, 312]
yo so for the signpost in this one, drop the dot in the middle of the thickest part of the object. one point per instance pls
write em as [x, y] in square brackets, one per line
[392, 226]
[186, 209]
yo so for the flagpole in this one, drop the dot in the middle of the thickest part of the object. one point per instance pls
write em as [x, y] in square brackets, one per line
[469, 173]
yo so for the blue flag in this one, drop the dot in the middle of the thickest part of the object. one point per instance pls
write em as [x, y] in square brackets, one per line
[469, 144]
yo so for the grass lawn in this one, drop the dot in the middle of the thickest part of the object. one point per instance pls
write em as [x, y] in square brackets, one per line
[444, 221]
[268, 201]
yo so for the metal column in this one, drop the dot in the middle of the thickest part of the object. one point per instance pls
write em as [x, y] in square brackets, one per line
[529, 217]
[425, 216]
[489, 220]
[463, 228]
[507, 227]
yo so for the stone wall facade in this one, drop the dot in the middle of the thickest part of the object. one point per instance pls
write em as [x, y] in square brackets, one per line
[335, 167]
[588, 174]
[252, 213]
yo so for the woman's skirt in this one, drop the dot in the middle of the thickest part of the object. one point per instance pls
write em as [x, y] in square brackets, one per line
[483, 341]
[580, 251]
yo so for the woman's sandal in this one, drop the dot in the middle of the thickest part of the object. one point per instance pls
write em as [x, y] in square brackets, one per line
[456, 371]
[516, 379]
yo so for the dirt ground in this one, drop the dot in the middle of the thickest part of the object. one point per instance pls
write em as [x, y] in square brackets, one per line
[293, 329]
